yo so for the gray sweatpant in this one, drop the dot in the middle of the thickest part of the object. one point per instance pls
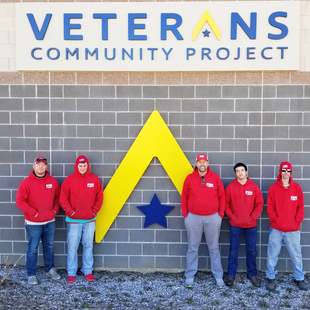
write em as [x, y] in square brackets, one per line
[195, 225]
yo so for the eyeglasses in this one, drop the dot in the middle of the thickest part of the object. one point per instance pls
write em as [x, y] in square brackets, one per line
[203, 180]
[37, 160]
[286, 170]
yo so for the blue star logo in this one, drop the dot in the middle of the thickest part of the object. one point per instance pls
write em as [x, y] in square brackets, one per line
[155, 212]
[206, 33]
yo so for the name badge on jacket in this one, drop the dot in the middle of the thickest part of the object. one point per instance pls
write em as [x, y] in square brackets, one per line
[248, 192]
[210, 184]
[293, 197]
[49, 185]
[90, 185]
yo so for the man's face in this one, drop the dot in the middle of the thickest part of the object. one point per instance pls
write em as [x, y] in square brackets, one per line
[285, 174]
[202, 165]
[82, 167]
[241, 174]
[39, 169]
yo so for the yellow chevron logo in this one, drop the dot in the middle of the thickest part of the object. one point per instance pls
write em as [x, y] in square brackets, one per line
[154, 140]
[206, 17]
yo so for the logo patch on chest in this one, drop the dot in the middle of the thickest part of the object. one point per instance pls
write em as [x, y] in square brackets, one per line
[293, 197]
[248, 192]
[49, 185]
[210, 184]
[90, 185]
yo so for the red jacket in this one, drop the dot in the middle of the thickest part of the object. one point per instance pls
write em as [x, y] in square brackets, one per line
[38, 198]
[244, 203]
[285, 206]
[203, 199]
[81, 194]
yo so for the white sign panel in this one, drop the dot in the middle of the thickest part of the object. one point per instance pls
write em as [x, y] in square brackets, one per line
[167, 36]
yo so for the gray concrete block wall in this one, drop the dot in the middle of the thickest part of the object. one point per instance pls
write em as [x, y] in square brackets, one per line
[260, 126]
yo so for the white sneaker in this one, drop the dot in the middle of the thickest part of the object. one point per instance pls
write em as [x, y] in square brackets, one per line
[32, 280]
[189, 282]
[53, 274]
[220, 283]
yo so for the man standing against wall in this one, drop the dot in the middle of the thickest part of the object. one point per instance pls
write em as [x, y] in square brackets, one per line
[244, 204]
[38, 197]
[285, 206]
[203, 206]
[81, 198]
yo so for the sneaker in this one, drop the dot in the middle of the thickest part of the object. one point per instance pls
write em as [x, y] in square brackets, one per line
[32, 280]
[270, 285]
[254, 280]
[230, 281]
[53, 274]
[189, 282]
[220, 283]
[89, 277]
[70, 279]
[302, 285]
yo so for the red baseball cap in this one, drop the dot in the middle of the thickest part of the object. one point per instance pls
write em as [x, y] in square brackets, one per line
[202, 157]
[40, 159]
[285, 165]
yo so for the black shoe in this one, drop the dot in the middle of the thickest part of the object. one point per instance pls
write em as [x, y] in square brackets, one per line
[302, 285]
[230, 281]
[270, 285]
[254, 280]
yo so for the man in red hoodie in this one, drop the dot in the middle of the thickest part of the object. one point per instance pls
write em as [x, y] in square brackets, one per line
[81, 198]
[244, 205]
[285, 207]
[38, 197]
[203, 206]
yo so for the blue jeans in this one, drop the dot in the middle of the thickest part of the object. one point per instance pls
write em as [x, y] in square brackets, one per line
[250, 236]
[195, 225]
[74, 234]
[35, 234]
[292, 242]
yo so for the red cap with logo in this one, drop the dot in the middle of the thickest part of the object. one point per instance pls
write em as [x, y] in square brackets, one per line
[40, 159]
[202, 157]
[285, 165]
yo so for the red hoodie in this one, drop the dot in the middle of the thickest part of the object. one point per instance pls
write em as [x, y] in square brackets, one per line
[203, 199]
[38, 198]
[285, 206]
[81, 195]
[244, 203]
